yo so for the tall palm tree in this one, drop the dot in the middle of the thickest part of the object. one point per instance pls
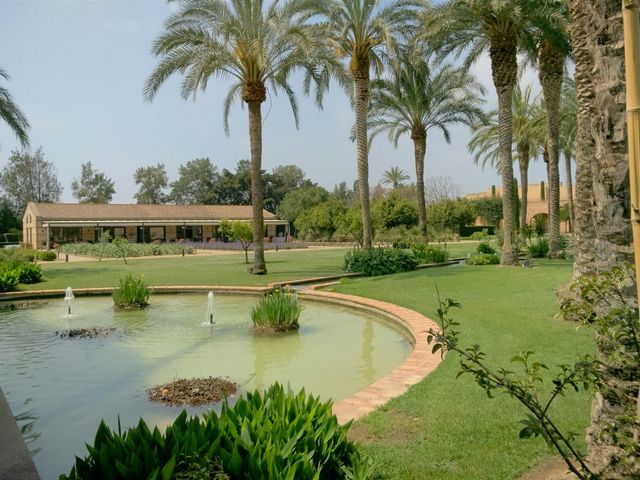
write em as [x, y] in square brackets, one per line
[568, 130]
[417, 98]
[395, 177]
[256, 44]
[499, 27]
[365, 32]
[12, 115]
[551, 48]
[528, 137]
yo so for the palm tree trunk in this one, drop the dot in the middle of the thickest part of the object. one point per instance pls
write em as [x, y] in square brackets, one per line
[419, 138]
[504, 70]
[583, 227]
[523, 164]
[509, 253]
[361, 107]
[551, 72]
[572, 213]
[257, 200]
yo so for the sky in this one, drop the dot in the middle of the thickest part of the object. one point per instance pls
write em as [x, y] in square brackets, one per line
[77, 71]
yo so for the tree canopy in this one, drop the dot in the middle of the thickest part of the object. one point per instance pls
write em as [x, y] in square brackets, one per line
[93, 186]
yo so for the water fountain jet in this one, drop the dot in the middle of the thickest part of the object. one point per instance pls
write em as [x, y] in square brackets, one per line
[68, 298]
[210, 307]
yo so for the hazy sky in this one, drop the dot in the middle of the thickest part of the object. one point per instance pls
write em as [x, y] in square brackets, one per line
[77, 71]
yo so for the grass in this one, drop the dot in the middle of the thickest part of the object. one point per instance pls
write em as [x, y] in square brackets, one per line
[442, 428]
[228, 269]
[445, 428]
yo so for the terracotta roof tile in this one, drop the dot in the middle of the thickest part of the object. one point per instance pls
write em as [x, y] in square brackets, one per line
[111, 211]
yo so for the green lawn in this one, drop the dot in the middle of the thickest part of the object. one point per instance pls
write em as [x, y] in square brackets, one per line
[442, 428]
[193, 269]
[445, 428]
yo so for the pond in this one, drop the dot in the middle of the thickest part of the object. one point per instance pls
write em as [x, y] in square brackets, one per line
[60, 388]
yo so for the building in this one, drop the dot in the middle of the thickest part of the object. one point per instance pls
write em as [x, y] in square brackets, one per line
[46, 223]
[537, 202]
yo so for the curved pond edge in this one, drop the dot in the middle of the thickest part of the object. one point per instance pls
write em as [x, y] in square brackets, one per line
[420, 362]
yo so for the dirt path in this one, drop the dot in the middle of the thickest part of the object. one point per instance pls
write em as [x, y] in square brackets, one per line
[554, 469]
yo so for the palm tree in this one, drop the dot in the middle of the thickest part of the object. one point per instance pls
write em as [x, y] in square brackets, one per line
[256, 46]
[499, 27]
[395, 177]
[568, 127]
[365, 32]
[11, 114]
[418, 98]
[551, 48]
[528, 137]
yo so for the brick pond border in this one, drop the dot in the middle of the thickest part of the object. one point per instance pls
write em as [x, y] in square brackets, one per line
[420, 362]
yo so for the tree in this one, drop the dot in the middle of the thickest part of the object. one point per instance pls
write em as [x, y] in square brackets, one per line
[551, 49]
[451, 214]
[568, 125]
[395, 177]
[11, 114]
[29, 178]
[235, 188]
[320, 221]
[240, 231]
[282, 180]
[9, 221]
[297, 201]
[364, 32]
[153, 181]
[420, 97]
[92, 187]
[196, 183]
[255, 45]
[441, 188]
[343, 193]
[528, 138]
[472, 27]
[394, 211]
[490, 209]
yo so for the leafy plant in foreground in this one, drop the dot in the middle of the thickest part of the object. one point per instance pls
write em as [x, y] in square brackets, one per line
[278, 311]
[277, 435]
[525, 387]
[131, 294]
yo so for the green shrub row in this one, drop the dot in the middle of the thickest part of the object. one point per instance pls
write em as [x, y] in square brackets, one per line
[483, 259]
[278, 311]
[275, 435]
[114, 250]
[426, 253]
[132, 293]
[380, 261]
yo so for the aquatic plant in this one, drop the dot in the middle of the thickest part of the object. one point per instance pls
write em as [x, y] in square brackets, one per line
[133, 293]
[278, 311]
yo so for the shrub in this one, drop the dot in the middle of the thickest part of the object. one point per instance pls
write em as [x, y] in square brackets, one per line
[111, 250]
[480, 235]
[275, 435]
[131, 294]
[483, 259]
[9, 278]
[484, 247]
[402, 245]
[426, 253]
[278, 311]
[379, 261]
[28, 272]
[539, 248]
[46, 255]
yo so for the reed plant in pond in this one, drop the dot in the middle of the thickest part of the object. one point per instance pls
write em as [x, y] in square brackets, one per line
[278, 311]
[133, 293]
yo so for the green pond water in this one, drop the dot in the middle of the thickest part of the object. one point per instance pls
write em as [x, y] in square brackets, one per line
[59, 388]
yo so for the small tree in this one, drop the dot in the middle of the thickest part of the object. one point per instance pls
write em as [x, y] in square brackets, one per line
[240, 231]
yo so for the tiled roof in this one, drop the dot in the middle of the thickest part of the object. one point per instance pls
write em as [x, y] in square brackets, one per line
[110, 211]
